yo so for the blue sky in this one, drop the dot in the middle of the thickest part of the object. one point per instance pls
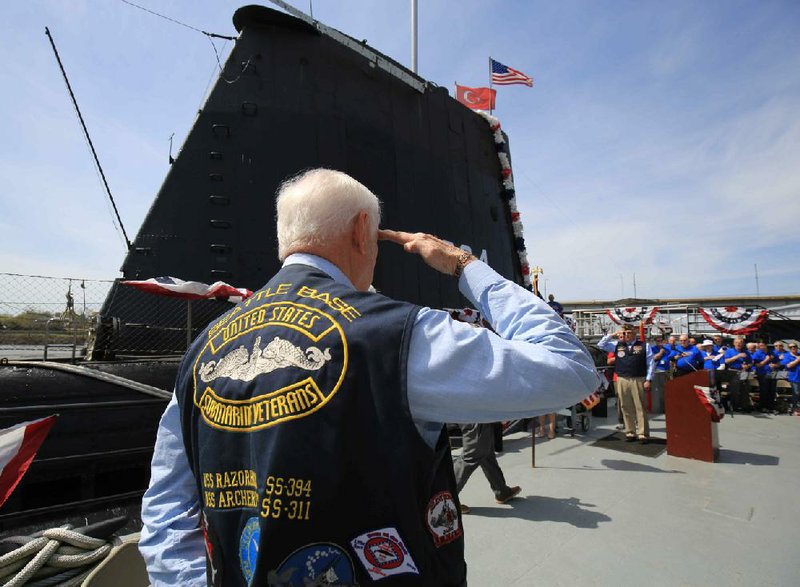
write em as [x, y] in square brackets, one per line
[661, 138]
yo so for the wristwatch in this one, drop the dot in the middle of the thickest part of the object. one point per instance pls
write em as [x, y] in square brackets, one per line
[463, 260]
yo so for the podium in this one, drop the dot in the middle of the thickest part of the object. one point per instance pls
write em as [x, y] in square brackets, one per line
[691, 431]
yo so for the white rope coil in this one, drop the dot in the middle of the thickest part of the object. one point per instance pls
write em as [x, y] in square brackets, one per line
[47, 555]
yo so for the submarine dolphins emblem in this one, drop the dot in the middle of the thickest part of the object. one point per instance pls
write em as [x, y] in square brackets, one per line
[279, 353]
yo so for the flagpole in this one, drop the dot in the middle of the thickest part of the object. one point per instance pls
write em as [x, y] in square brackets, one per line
[490, 80]
[414, 36]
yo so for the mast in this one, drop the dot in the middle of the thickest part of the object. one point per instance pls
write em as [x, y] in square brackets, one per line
[88, 138]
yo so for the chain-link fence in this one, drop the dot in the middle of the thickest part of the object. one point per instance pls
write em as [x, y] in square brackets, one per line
[41, 316]
[133, 322]
[50, 317]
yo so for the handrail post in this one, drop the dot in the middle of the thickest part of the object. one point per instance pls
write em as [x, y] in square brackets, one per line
[188, 324]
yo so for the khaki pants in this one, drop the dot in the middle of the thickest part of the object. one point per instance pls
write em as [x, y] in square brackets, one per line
[630, 395]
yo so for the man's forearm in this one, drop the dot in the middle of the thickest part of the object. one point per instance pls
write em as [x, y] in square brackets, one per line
[533, 365]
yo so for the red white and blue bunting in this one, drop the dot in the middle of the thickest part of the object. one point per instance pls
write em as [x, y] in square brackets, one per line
[509, 195]
[709, 398]
[632, 315]
[735, 319]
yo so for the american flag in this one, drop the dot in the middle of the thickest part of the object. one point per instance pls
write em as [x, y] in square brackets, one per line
[503, 75]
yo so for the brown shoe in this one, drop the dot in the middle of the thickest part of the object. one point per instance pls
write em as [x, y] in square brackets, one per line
[464, 508]
[512, 493]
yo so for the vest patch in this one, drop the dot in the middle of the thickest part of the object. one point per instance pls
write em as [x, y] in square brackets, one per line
[322, 563]
[383, 553]
[248, 548]
[442, 519]
[293, 341]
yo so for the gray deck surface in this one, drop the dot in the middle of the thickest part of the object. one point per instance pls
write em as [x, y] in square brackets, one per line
[595, 516]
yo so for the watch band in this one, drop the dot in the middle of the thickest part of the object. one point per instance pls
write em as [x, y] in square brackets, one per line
[463, 260]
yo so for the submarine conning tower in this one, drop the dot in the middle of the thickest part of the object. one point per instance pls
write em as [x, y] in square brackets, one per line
[294, 95]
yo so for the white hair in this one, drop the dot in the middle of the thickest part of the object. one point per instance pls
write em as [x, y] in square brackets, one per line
[318, 205]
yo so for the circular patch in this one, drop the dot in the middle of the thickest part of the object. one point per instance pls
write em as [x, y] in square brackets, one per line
[383, 553]
[248, 548]
[442, 519]
[323, 563]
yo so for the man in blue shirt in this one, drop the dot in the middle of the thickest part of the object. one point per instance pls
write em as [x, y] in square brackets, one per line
[779, 351]
[661, 362]
[711, 360]
[762, 362]
[791, 360]
[719, 344]
[661, 354]
[251, 454]
[738, 363]
[777, 367]
[687, 357]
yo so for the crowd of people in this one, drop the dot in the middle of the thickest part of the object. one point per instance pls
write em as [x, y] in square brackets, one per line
[735, 364]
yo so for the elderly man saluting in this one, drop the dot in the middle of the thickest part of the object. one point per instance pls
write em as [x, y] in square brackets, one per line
[634, 368]
[305, 443]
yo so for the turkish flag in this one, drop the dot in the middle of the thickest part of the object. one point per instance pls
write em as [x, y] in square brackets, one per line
[476, 98]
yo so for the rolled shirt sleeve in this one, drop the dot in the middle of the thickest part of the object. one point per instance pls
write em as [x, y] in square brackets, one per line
[533, 365]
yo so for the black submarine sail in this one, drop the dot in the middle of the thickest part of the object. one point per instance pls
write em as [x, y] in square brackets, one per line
[292, 95]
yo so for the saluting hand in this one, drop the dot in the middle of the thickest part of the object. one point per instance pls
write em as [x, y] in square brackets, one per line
[436, 253]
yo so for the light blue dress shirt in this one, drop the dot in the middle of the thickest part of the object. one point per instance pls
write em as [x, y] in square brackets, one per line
[456, 373]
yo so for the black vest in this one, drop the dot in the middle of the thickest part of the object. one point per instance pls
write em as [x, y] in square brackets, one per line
[308, 465]
[633, 362]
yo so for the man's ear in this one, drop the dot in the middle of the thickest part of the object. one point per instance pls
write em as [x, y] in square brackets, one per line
[361, 231]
